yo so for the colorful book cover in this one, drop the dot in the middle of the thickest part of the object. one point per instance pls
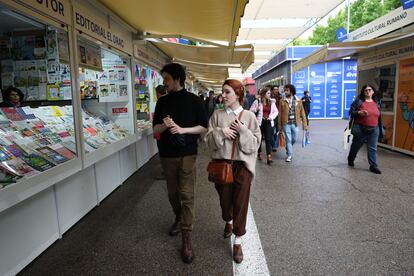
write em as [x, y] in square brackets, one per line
[51, 154]
[63, 151]
[19, 167]
[7, 177]
[11, 113]
[15, 150]
[5, 154]
[37, 162]
[53, 92]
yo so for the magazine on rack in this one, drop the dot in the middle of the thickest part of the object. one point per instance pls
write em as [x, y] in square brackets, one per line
[18, 167]
[52, 155]
[37, 162]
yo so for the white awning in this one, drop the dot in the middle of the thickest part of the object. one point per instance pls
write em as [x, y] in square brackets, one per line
[334, 51]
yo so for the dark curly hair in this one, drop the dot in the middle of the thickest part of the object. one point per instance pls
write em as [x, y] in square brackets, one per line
[10, 89]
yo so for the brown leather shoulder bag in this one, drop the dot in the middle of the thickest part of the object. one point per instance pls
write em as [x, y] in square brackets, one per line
[220, 171]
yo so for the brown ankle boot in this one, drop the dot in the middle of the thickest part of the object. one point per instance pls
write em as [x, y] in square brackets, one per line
[237, 253]
[269, 159]
[187, 247]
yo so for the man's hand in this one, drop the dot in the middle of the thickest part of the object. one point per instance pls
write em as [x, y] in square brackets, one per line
[176, 129]
[168, 122]
[229, 133]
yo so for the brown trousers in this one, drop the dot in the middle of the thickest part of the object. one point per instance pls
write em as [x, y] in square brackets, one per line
[234, 198]
[180, 174]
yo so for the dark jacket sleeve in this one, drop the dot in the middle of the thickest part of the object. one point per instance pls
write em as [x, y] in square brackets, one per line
[355, 106]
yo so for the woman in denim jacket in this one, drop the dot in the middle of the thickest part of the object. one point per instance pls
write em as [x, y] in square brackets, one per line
[366, 126]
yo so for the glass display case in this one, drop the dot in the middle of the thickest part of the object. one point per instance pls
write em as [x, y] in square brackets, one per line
[36, 114]
[105, 89]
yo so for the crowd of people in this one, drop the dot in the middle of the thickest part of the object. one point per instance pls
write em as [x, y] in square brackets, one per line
[234, 125]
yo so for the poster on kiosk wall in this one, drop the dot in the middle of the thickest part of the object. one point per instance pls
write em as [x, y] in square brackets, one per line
[317, 90]
[334, 89]
[404, 136]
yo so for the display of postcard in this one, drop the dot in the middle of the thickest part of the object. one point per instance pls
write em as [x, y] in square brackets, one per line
[19, 167]
[82, 54]
[63, 45]
[7, 65]
[20, 78]
[122, 75]
[43, 77]
[53, 65]
[53, 92]
[113, 75]
[7, 176]
[67, 92]
[37, 162]
[113, 88]
[33, 78]
[103, 91]
[7, 79]
[52, 155]
[42, 91]
[64, 70]
[103, 76]
[93, 57]
[51, 45]
[63, 151]
[32, 93]
[123, 91]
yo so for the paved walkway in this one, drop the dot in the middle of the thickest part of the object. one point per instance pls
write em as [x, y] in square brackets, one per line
[314, 216]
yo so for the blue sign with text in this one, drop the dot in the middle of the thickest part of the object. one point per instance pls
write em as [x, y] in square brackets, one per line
[350, 70]
[341, 34]
[317, 90]
[334, 89]
[350, 95]
[300, 81]
[407, 4]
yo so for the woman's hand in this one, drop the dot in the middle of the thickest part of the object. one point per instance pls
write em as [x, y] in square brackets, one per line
[237, 125]
[363, 113]
[229, 133]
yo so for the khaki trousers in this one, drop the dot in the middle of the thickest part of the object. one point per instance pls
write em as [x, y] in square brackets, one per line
[180, 174]
[234, 198]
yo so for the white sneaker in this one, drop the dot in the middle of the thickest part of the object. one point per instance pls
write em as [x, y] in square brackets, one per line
[289, 159]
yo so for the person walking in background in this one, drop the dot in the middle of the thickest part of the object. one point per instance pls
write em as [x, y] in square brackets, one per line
[248, 100]
[276, 96]
[266, 110]
[291, 113]
[180, 118]
[210, 103]
[219, 102]
[227, 126]
[306, 101]
[366, 126]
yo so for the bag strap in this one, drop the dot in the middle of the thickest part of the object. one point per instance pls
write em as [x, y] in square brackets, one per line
[233, 150]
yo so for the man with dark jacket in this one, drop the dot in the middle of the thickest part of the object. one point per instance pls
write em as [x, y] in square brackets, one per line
[180, 118]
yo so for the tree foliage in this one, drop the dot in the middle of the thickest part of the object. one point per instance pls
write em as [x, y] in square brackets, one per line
[362, 13]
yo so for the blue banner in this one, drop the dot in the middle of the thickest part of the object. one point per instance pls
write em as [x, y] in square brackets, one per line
[407, 4]
[300, 81]
[341, 34]
[350, 70]
[350, 95]
[334, 89]
[317, 90]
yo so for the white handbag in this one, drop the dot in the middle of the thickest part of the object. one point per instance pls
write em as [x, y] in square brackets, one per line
[348, 135]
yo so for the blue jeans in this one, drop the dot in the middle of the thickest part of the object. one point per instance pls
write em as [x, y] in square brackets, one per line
[275, 143]
[291, 132]
[360, 138]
